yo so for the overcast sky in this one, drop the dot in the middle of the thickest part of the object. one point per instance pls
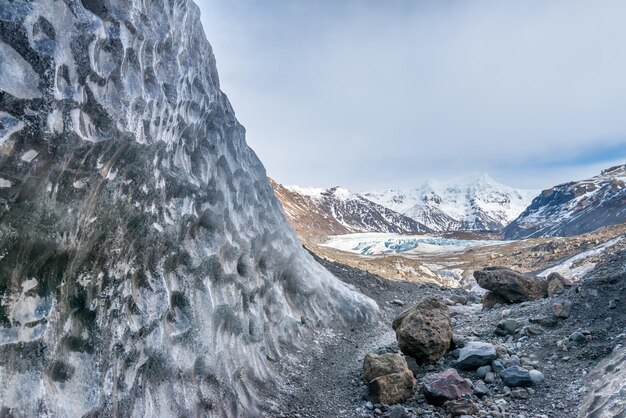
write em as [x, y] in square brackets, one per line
[384, 94]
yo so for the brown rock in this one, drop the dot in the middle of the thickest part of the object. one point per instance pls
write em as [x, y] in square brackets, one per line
[424, 331]
[511, 285]
[375, 365]
[555, 287]
[445, 386]
[462, 407]
[491, 299]
[392, 388]
[562, 309]
[565, 282]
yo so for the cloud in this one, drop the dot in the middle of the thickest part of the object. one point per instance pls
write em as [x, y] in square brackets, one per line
[372, 94]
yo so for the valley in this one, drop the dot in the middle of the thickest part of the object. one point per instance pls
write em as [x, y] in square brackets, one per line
[400, 269]
[149, 267]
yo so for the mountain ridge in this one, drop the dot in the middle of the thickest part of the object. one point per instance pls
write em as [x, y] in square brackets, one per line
[316, 213]
[574, 207]
[475, 203]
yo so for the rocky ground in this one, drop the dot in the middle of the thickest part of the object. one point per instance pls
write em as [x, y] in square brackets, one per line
[565, 350]
[456, 268]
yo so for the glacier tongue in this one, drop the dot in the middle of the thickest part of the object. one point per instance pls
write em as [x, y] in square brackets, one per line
[146, 266]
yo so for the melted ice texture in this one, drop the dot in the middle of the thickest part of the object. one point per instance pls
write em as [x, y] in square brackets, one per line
[146, 268]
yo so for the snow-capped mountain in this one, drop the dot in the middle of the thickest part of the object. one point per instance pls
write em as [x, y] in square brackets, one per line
[318, 213]
[476, 202]
[574, 208]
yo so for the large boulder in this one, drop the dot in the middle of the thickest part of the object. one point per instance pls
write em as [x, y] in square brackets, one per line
[392, 388]
[475, 355]
[445, 386]
[424, 331]
[510, 285]
[375, 365]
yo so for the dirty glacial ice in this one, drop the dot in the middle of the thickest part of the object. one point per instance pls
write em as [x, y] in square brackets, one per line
[146, 268]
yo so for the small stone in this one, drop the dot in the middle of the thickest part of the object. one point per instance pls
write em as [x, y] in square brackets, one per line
[459, 299]
[378, 411]
[513, 361]
[482, 371]
[545, 321]
[555, 287]
[461, 408]
[562, 309]
[516, 376]
[497, 366]
[506, 327]
[490, 378]
[397, 411]
[537, 377]
[392, 388]
[530, 391]
[577, 337]
[476, 354]
[369, 405]
[506, 390]
[501, 351]
[397, 302]
[445, 386]
[481, 389]
[519, 393]
[533, 330]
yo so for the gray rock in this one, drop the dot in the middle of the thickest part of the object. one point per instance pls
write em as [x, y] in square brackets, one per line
[510, 362]
[397, 302]
[497, 366]
[397, 411]
[483, 370]
[577, 337]
[533, 330]
[459, 299]
[537, 377]
[516, 376]
[476, 354]
[490, 378]
[481, 389]
[506, 327]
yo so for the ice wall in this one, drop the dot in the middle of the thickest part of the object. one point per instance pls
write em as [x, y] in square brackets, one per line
[146, 268]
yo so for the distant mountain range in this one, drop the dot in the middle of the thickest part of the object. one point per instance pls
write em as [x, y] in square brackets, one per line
[474, 203]
[574, 208]
[318, 213]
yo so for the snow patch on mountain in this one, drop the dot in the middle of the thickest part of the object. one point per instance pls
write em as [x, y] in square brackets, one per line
[476, 202]
[574, 208]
